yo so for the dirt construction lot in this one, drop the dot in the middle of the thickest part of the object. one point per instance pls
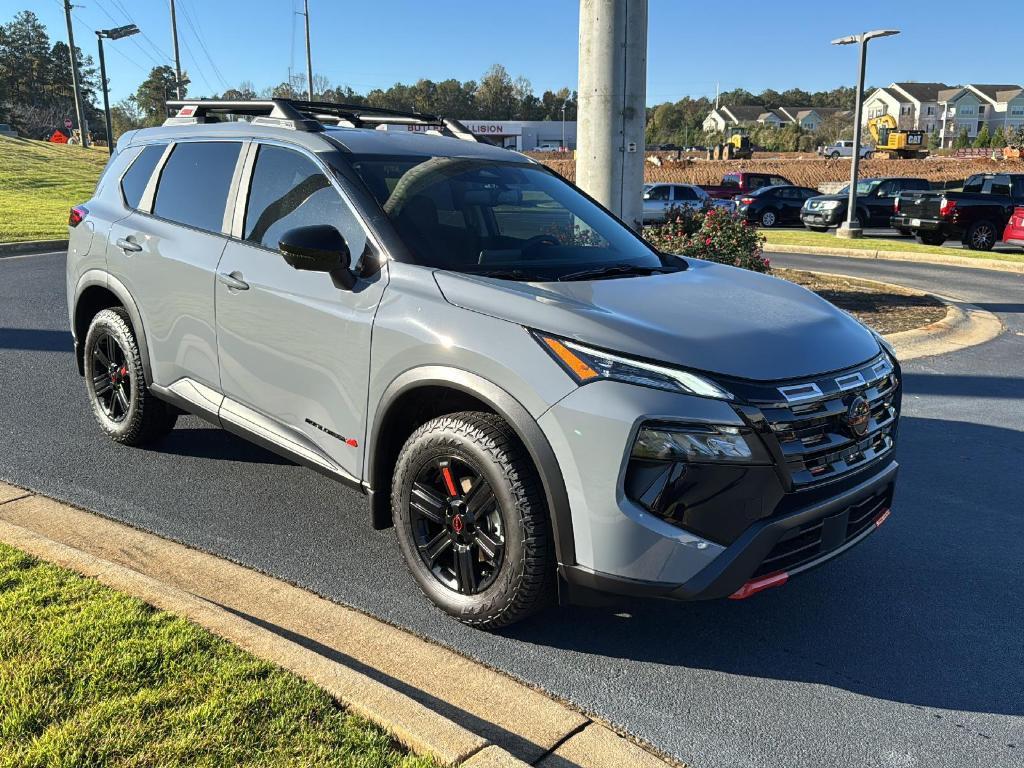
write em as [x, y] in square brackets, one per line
[804, 171]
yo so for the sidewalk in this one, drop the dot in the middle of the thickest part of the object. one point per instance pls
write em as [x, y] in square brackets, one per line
[431, 699]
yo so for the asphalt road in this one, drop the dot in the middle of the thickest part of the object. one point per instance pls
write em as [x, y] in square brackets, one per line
[908, 651]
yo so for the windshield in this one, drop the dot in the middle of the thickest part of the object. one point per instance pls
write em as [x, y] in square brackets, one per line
[864, 188]
[510, 220]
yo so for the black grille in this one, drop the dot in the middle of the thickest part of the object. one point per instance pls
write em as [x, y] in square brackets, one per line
[813, 430]
[818, 537]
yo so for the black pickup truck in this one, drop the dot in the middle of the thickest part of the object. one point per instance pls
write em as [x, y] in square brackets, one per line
[977, 215]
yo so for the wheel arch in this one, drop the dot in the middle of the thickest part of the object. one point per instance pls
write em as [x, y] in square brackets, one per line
[98, 290]
[391, 424]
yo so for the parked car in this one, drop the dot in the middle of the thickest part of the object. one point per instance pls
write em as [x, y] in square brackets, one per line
[660, 198]
[843, 149]
[540, 402]
[977, 215]
[1014, 232]
[772, 206]
[547, 148]
[741, 182]
[875, 199]
[7, 130]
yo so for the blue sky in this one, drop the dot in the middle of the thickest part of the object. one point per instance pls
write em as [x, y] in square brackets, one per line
[691, 45]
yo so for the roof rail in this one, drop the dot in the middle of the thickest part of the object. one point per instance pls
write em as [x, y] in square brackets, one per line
[309, 115]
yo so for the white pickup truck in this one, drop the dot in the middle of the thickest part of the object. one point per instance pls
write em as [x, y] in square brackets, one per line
[843, 149]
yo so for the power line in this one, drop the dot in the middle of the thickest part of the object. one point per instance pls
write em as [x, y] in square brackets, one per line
[195, 31]
[142, 50]
[160, 53]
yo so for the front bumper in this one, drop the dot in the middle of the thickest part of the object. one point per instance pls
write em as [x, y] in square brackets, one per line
[830, 218]
[739, 571]
[725, 528]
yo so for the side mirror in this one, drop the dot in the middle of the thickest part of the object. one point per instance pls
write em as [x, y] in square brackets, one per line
[319, 248]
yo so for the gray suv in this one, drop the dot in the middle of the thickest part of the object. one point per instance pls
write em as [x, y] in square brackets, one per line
[543, 405]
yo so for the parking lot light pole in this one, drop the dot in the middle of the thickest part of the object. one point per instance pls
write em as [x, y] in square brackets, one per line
[852, 226]
[111, 34]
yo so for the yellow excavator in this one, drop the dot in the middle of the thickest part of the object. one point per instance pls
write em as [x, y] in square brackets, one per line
[892, 143]
[736, 147]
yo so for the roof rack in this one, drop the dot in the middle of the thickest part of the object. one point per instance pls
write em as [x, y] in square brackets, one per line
[310, 115]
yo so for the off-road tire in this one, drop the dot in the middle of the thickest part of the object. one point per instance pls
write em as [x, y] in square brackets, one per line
[147, 419]
[525, 581]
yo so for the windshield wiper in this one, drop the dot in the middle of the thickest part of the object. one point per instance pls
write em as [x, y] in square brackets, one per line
[614, 270]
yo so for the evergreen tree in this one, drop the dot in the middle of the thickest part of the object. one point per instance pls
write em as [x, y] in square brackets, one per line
[962, 139]
[983, 138]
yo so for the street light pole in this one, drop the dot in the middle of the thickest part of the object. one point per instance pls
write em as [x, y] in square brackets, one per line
[113, 34]
[851, 228]
[563, 126]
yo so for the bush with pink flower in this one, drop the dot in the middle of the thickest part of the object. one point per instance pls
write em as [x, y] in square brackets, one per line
[713, 234]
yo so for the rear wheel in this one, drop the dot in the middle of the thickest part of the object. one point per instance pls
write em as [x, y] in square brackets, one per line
[981, 236]
[834, 156]
[931, 238]
[122, 404]
[471, 520]
[769, 219]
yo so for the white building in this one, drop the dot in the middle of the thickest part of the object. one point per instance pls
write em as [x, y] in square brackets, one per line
[808, 118]
[521, 135]
[916, 106]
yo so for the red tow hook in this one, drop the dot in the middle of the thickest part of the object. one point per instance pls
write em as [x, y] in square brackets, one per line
[754, 586]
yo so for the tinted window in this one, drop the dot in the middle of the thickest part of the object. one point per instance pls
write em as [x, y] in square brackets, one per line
[776, 180]
[289, 190]
[685, 193]
[756, 181]
[194, 184]
[731, 180]
[518, 220]
[1001, 185]
[133, 183]
[658, 193]
[974, 183]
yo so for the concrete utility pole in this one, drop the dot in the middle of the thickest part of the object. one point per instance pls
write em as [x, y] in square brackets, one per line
[83, 127]
[309, 57]
[177, 56]
[851, 228]
[612, 108]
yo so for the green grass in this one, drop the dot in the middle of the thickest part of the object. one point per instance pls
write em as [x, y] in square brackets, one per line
[39, 182]
[92, 677]
[828, 240]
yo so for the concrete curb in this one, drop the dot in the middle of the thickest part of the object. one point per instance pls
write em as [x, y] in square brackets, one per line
[965, 325]
[32, 247]
[431, 699]
[1016, 267]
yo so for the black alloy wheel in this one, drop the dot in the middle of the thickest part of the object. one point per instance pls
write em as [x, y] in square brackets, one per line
[456, 524]
[981, 236]
[112, 380]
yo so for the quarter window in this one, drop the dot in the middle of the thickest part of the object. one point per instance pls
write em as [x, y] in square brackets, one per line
[289, 190]
[133, 183]
[194, 184]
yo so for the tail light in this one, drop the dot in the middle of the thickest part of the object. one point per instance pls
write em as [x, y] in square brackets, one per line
[947, 208]
[77, 215]
[896, 204]
[746, 200]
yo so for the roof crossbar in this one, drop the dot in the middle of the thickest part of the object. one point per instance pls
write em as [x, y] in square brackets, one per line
[309, 115]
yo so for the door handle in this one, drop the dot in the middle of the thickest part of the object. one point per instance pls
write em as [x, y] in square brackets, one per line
[128, 245]
[233, 281]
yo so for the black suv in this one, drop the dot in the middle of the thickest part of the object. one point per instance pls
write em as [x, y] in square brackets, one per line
[875, 200]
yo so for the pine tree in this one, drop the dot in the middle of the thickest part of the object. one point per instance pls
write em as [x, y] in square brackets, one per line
[983, 138]
[962, 139]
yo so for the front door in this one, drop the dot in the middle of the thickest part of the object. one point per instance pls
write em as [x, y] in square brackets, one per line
[294, 348]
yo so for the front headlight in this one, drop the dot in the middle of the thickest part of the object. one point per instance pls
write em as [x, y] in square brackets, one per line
[694, 443]
[585, 365]
[829, 205]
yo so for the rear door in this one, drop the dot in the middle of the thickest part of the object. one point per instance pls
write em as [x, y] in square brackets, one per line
[294, 348]
[166, 251]
[684, 197]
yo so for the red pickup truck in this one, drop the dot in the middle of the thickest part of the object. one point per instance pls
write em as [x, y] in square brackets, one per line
[742, 182]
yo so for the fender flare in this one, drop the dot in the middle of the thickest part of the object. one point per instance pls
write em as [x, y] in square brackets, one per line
[97, 277]
[506, 406]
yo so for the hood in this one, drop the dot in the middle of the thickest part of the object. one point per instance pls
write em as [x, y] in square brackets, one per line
[809, 203]
[709, 318]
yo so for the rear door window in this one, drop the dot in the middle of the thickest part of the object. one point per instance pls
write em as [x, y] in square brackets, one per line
[974, 183]
[684, 193]
[194, 184]
[133, 183]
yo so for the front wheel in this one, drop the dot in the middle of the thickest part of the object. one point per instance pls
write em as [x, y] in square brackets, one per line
[123, 406]
[471, 520]
[981, 236]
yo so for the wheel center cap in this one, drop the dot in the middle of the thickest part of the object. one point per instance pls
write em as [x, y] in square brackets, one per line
[457, 523]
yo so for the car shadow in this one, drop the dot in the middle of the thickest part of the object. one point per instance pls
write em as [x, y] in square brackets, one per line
[212, 443]
[926, 611]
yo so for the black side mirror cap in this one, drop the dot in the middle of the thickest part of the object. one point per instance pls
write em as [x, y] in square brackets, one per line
[319, 248]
